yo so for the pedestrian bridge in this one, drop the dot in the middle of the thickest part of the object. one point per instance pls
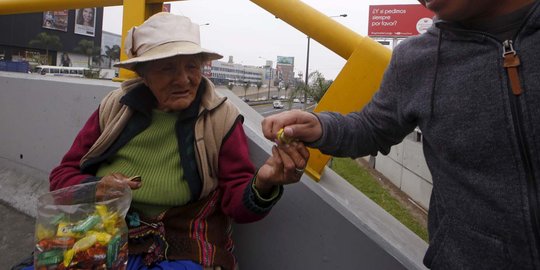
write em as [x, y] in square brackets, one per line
[316, 225]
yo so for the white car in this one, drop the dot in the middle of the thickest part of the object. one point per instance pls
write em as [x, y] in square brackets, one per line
[296, 100]
[277, 104]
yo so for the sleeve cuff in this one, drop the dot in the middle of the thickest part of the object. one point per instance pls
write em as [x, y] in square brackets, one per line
[259, 198]
[258, 204]
[318, 143]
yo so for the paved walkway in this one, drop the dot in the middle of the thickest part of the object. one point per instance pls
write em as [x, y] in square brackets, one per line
[16, 236]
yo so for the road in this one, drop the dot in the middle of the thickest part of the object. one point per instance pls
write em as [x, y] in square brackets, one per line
[268, 109]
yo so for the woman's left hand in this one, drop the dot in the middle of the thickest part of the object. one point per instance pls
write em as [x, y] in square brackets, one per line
[285, 166]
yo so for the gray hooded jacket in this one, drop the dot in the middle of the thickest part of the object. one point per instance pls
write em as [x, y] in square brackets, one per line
[481, 141]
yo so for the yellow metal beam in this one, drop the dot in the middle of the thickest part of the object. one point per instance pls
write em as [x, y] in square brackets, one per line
[352, 90]
[135, 13]
[314, 24]
[359, 79]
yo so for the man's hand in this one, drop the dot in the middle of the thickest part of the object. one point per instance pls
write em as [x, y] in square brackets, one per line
[296, 124]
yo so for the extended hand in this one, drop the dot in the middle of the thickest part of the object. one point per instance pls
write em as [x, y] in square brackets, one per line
[285, 166]
[297, 124]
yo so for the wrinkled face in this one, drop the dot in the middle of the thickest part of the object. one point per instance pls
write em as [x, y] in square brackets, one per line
[463, 10]
[174, 81]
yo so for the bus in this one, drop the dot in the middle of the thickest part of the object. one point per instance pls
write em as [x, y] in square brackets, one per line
[62, 71]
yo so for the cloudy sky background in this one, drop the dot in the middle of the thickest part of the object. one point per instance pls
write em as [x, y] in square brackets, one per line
[250, 34]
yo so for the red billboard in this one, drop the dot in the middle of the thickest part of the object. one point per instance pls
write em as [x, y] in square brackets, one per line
[398, 20]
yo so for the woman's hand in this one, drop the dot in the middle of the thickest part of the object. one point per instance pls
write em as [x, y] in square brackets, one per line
[285, 166]
[113, 185]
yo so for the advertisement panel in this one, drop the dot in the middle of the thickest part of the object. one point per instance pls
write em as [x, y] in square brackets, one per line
[398, 20]
[166, 7]
[85, 21]
[55, 20]
[285, 60]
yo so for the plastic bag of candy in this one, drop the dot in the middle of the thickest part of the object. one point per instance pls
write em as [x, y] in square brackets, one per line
[76, 230]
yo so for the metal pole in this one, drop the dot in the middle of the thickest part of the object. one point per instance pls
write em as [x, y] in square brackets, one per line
[269, 80]
[307, 73]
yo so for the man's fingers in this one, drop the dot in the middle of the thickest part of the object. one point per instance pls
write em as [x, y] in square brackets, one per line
[272, 124]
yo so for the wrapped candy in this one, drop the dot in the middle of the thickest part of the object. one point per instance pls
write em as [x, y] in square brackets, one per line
[284, 138]
[74, 231]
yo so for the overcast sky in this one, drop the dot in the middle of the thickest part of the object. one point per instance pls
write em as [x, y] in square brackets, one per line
[249, 33]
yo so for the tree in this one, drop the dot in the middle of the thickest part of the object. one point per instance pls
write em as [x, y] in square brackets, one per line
[88, 48]
[113, 53]
[246, 86]
[298, 89]
[259, 85]
[46, 41]
[318, 85]
[286, 87]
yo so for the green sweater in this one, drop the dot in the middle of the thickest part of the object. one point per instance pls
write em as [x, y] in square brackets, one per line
[153, 154]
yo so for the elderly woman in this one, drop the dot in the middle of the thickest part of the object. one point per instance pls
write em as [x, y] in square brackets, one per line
[186, 143]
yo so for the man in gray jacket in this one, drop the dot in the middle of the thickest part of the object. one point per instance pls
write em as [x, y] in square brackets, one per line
[472, 85]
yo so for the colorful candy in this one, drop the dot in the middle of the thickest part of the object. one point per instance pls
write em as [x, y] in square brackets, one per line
[284, 138]
[96, 241]
[86, 224]
[113, 249]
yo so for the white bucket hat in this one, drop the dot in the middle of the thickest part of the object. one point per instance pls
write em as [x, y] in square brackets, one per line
[163, 35]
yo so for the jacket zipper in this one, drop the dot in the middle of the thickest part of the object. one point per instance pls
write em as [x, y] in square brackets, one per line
[511, 64]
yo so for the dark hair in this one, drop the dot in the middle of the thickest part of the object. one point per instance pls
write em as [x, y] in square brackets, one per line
[80, 19]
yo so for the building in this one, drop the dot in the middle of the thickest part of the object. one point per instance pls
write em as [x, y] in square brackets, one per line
[285, 71]
[20, 36]
[109, 40]
[223, 73]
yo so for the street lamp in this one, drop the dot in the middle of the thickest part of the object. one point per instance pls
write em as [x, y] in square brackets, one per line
[270, 78]
[307, 60]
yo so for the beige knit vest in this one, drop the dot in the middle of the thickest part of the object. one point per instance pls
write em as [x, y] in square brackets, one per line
[210, 129]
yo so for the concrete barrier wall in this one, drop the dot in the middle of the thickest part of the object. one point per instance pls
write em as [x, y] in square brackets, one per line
[326, 225]
[39, 118]
[405, 166]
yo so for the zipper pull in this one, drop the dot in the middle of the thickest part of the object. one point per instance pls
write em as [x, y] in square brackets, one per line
[511, 63]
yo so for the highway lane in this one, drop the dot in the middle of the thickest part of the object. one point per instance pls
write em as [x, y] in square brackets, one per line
[268, 109]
